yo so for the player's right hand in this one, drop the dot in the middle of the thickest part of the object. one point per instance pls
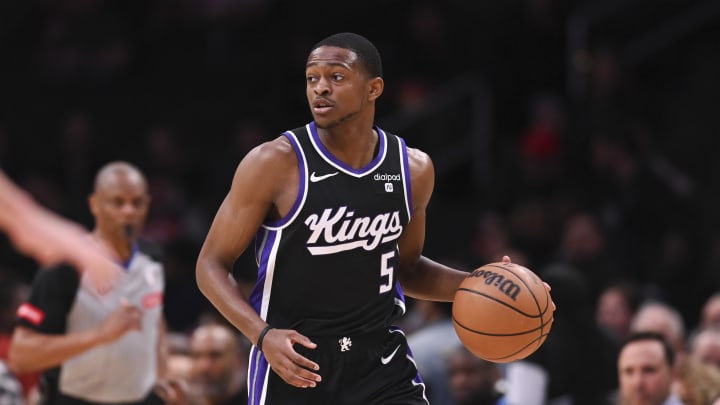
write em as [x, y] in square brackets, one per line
[125, 318]
[293, 368]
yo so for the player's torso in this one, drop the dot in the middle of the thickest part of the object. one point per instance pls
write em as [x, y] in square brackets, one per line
[330, 266]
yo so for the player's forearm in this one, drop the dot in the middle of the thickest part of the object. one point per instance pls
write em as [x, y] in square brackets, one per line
[32, 351]
[430, 280]
[220, 289]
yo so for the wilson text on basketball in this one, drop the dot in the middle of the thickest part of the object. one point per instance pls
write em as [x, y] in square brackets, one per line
[508, 287]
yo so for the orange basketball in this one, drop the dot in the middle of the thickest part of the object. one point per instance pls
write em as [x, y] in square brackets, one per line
[502, 312]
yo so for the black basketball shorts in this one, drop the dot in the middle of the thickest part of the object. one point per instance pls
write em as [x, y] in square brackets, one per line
[356, 370]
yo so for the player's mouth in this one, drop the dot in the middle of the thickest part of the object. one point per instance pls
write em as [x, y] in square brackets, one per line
[321, 105]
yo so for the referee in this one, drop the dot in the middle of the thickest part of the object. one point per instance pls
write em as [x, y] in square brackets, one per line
[98, 348]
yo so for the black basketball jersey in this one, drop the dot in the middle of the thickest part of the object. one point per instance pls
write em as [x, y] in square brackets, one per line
[329, 267]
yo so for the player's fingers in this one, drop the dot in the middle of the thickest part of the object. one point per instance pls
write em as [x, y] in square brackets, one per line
[547, 286]
[306, 364]
[506, 259]
[299, 377]
[302, 340]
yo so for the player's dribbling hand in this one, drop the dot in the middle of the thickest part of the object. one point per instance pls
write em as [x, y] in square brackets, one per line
[293, 368]
[506, 259]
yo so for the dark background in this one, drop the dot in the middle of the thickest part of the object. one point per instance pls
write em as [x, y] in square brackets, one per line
[533, 111]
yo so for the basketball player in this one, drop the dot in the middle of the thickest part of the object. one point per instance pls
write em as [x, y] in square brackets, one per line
[337, 210]
[51, 239]
[98, 348]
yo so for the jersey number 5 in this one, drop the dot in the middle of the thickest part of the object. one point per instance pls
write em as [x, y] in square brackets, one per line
[386, 269]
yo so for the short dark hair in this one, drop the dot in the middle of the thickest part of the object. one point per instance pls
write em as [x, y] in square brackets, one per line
[653, 336]
[366, 51]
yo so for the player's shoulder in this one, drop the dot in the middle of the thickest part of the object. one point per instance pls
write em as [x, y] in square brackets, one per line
[420, 162]
[272, 152]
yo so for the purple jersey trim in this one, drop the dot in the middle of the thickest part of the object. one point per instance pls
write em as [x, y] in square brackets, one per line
[302, 185]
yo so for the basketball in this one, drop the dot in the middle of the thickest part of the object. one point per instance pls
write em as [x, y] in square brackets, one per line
[502, 312]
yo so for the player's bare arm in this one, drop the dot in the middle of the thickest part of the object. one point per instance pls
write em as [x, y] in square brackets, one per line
[421, 277]
[265, 185]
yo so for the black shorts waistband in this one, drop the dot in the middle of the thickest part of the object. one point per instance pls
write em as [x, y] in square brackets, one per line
[352, 339]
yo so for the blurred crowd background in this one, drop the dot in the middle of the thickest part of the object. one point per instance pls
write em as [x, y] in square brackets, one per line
[576, 133]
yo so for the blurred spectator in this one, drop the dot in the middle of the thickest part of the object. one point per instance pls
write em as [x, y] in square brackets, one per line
[219, 361]
[705, 346]
[645, 367]
[616, 306]
[492, 240]
[697, 383]
[584, 246]
[472, 380]
[659, 317]
[710, 311]
[533, 230]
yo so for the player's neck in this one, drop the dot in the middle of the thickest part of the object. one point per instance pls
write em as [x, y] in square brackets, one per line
[355, 146]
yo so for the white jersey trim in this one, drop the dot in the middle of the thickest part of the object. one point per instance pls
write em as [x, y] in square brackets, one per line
[382, 138]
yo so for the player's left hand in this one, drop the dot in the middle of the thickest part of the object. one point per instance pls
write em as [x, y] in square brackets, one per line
[506, 260]
[292, 367]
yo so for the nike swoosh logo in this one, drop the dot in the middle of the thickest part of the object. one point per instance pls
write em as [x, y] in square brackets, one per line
[314, 178]
[386, 359]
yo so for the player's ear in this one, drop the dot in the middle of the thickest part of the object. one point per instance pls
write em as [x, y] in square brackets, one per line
[375, 88]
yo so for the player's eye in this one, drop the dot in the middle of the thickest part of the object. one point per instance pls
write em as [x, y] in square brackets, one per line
[337, 76]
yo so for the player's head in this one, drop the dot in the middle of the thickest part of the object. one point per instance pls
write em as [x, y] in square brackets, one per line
[367, 53]
[120, 201]
[343, 77]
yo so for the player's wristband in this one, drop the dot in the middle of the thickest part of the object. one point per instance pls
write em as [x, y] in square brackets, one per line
[261, 337]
